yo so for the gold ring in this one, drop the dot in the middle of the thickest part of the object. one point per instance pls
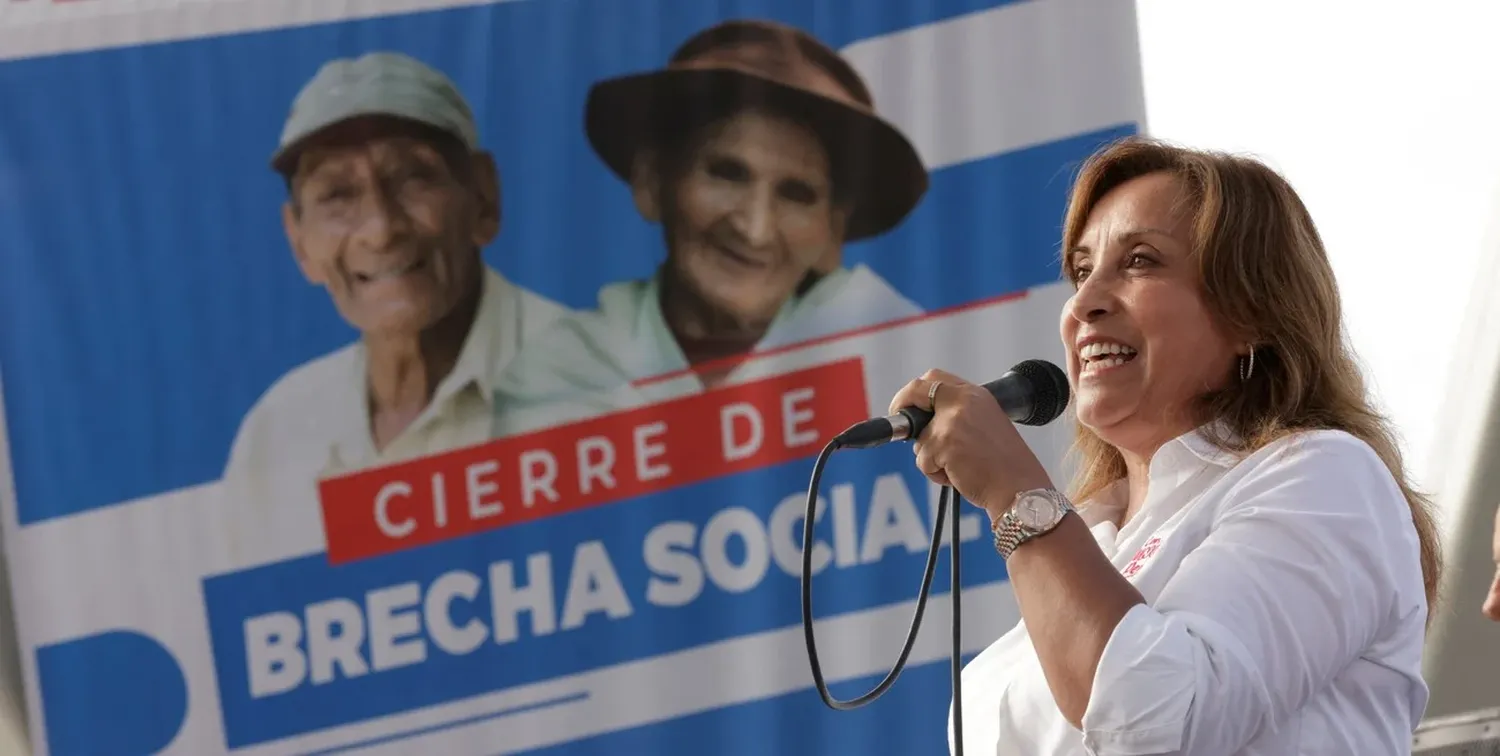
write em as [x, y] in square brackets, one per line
[932, 395]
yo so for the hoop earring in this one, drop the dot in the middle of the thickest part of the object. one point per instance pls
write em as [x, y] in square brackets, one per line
[1247, 366]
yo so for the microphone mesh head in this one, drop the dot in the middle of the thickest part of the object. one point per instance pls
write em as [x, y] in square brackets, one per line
[1049, 386]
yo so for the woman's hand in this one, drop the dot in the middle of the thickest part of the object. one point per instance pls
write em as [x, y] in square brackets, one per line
[970, 443]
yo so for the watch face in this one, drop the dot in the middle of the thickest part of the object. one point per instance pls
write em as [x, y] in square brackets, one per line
[1036, 512]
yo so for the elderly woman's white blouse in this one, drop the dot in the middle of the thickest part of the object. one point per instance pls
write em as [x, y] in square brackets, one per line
[1285, 616]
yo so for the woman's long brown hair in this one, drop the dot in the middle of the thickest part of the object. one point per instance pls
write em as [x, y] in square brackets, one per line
[1264, 271]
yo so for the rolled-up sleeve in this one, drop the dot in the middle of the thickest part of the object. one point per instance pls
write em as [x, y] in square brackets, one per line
[1308, 555]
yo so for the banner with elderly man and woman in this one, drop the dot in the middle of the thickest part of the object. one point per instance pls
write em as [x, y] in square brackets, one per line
[425, 376]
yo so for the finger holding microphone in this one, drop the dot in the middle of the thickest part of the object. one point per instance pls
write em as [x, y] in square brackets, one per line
[970, 443]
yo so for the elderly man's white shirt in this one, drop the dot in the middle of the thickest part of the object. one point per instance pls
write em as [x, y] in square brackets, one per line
[314, 423]
[1285, 616]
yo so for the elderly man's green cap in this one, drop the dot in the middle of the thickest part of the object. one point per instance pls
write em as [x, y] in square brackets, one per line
[375, 84]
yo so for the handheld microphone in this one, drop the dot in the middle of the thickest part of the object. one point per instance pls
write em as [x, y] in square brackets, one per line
[1033, 392]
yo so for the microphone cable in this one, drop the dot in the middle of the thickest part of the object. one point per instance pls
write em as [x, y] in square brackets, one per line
[1034, 392]
[948, 499]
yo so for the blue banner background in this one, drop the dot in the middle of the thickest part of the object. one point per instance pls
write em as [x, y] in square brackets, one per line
[147, 294]
[148, 297]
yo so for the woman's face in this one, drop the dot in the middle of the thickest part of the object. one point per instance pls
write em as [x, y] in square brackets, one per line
[1141, 345]
[751, 215]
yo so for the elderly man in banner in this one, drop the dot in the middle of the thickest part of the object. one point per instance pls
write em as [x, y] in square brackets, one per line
[758, 151]
[390, 202]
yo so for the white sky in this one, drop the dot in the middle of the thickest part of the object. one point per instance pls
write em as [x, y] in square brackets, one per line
[1384, 116]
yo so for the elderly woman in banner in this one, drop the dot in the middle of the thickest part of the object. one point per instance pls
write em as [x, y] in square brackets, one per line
[758, 151]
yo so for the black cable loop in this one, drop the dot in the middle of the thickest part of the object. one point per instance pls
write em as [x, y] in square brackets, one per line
[947, 496]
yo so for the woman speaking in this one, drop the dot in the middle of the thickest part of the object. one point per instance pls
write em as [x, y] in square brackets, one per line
[1247, 570]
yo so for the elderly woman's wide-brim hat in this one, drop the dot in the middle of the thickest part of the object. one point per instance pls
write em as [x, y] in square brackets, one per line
[748, 63]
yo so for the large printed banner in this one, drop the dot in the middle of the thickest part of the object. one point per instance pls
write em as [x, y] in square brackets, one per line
[445, 377]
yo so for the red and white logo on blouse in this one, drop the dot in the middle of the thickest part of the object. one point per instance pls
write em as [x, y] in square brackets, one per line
[1141, 557]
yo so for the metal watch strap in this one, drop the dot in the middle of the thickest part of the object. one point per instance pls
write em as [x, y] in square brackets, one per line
[1009, 533]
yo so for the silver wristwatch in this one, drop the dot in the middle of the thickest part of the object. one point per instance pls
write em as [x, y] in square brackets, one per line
[1034, 513]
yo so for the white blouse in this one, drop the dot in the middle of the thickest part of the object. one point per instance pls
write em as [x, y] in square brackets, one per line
[1285, 615]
